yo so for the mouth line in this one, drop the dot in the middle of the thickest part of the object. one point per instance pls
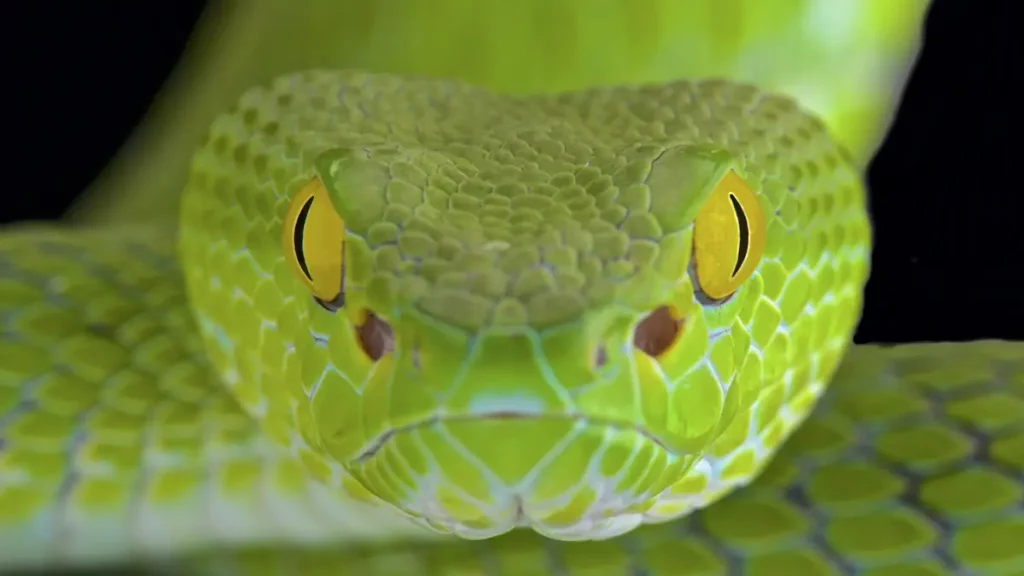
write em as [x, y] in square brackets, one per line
[384, 438]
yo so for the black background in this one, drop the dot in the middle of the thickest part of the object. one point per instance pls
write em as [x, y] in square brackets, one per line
[945, 188]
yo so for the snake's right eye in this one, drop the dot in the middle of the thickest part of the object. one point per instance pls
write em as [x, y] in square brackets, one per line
[313, 238]
[728, 237]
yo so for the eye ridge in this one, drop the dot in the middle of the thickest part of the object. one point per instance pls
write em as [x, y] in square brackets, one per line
[297, 237]
[744, 230]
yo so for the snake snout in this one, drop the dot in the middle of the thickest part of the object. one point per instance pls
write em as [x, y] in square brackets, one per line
[559, 431]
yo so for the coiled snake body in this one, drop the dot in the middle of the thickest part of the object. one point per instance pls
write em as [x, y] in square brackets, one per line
[400, 308]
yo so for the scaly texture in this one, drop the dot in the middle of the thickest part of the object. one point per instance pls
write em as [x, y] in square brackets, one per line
[515, 247]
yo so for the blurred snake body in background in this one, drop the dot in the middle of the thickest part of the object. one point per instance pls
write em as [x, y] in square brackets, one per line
[412, 325]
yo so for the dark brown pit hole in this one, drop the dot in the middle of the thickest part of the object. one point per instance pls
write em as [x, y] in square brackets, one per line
[375, 337]
[655, 333]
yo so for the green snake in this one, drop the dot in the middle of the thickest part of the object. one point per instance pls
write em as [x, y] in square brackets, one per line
[413, 326]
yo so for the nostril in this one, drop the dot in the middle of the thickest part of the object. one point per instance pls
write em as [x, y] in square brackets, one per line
[375, 336]
[657, 332]
[600, 357]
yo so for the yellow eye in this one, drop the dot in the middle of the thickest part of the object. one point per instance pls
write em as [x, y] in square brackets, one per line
[728, 237]
[313, 237]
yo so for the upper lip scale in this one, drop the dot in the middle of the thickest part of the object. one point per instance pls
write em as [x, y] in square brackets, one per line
[385, 437]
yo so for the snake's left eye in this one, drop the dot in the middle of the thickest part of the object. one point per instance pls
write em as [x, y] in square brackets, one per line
[313, 238]
[728, 237]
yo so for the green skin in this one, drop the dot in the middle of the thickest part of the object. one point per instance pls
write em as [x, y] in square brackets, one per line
[199, 408]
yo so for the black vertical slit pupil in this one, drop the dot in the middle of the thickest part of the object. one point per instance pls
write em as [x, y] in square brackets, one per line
[297, 236]
[741, 217]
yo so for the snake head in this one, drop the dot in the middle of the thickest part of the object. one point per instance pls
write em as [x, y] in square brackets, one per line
[574, 313]
[490, 354]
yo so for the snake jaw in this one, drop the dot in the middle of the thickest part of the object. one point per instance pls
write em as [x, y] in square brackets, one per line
[496, 477]
[381, 440]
